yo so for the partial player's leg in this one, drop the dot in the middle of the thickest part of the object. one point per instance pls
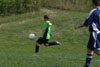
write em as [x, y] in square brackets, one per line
[89, 57]
[90, 51]
[47, 43]
[97, 52]
[39, 41]
[37, 47]
[52, 43]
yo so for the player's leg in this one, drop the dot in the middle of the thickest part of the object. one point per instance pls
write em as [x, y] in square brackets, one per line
[39, 41]
[89, 57]
[47, 43]
[54, 43]
[90, 51]
[37, 47]
[97, 52]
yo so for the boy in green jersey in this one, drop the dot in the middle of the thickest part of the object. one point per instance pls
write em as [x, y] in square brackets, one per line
[45, 35]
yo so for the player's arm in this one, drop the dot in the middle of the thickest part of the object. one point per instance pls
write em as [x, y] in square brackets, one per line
[50, 24]
[87, 22]
[79, 26]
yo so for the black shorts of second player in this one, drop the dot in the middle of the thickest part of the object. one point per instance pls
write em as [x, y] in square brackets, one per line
[42, 40]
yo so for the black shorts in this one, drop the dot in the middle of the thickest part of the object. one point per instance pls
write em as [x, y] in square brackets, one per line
[42, 40]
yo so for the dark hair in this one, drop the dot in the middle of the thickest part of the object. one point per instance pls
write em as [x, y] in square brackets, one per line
[96, 2]
[46, 17]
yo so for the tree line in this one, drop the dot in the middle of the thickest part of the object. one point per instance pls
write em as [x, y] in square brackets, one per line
[17, 6]
[21, 6]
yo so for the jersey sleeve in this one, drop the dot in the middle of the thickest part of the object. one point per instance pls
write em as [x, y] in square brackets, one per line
[89, 19]
[50, 24]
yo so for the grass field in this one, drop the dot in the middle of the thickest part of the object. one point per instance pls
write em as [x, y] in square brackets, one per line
[16, 50]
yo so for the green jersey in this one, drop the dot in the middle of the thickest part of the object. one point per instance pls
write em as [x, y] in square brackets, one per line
[46, 30]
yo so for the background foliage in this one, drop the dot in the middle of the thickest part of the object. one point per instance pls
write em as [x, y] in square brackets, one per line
[17, 6]
[21, 6]
[79, 5]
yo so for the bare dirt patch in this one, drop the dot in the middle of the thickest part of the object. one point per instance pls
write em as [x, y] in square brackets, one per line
[14, 23]
[49, 12]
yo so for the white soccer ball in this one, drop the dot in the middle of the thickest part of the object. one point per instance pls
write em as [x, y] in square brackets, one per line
[31, 36]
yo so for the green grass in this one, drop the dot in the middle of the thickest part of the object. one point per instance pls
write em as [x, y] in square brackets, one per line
[16, 50]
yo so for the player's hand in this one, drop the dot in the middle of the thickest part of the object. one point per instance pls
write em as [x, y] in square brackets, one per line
[76, 27]
[79, 26]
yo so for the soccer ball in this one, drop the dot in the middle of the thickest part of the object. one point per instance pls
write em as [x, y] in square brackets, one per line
[31, 36]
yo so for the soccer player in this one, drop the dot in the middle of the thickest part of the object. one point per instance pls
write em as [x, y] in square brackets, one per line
[93, 21]
[45, 35]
